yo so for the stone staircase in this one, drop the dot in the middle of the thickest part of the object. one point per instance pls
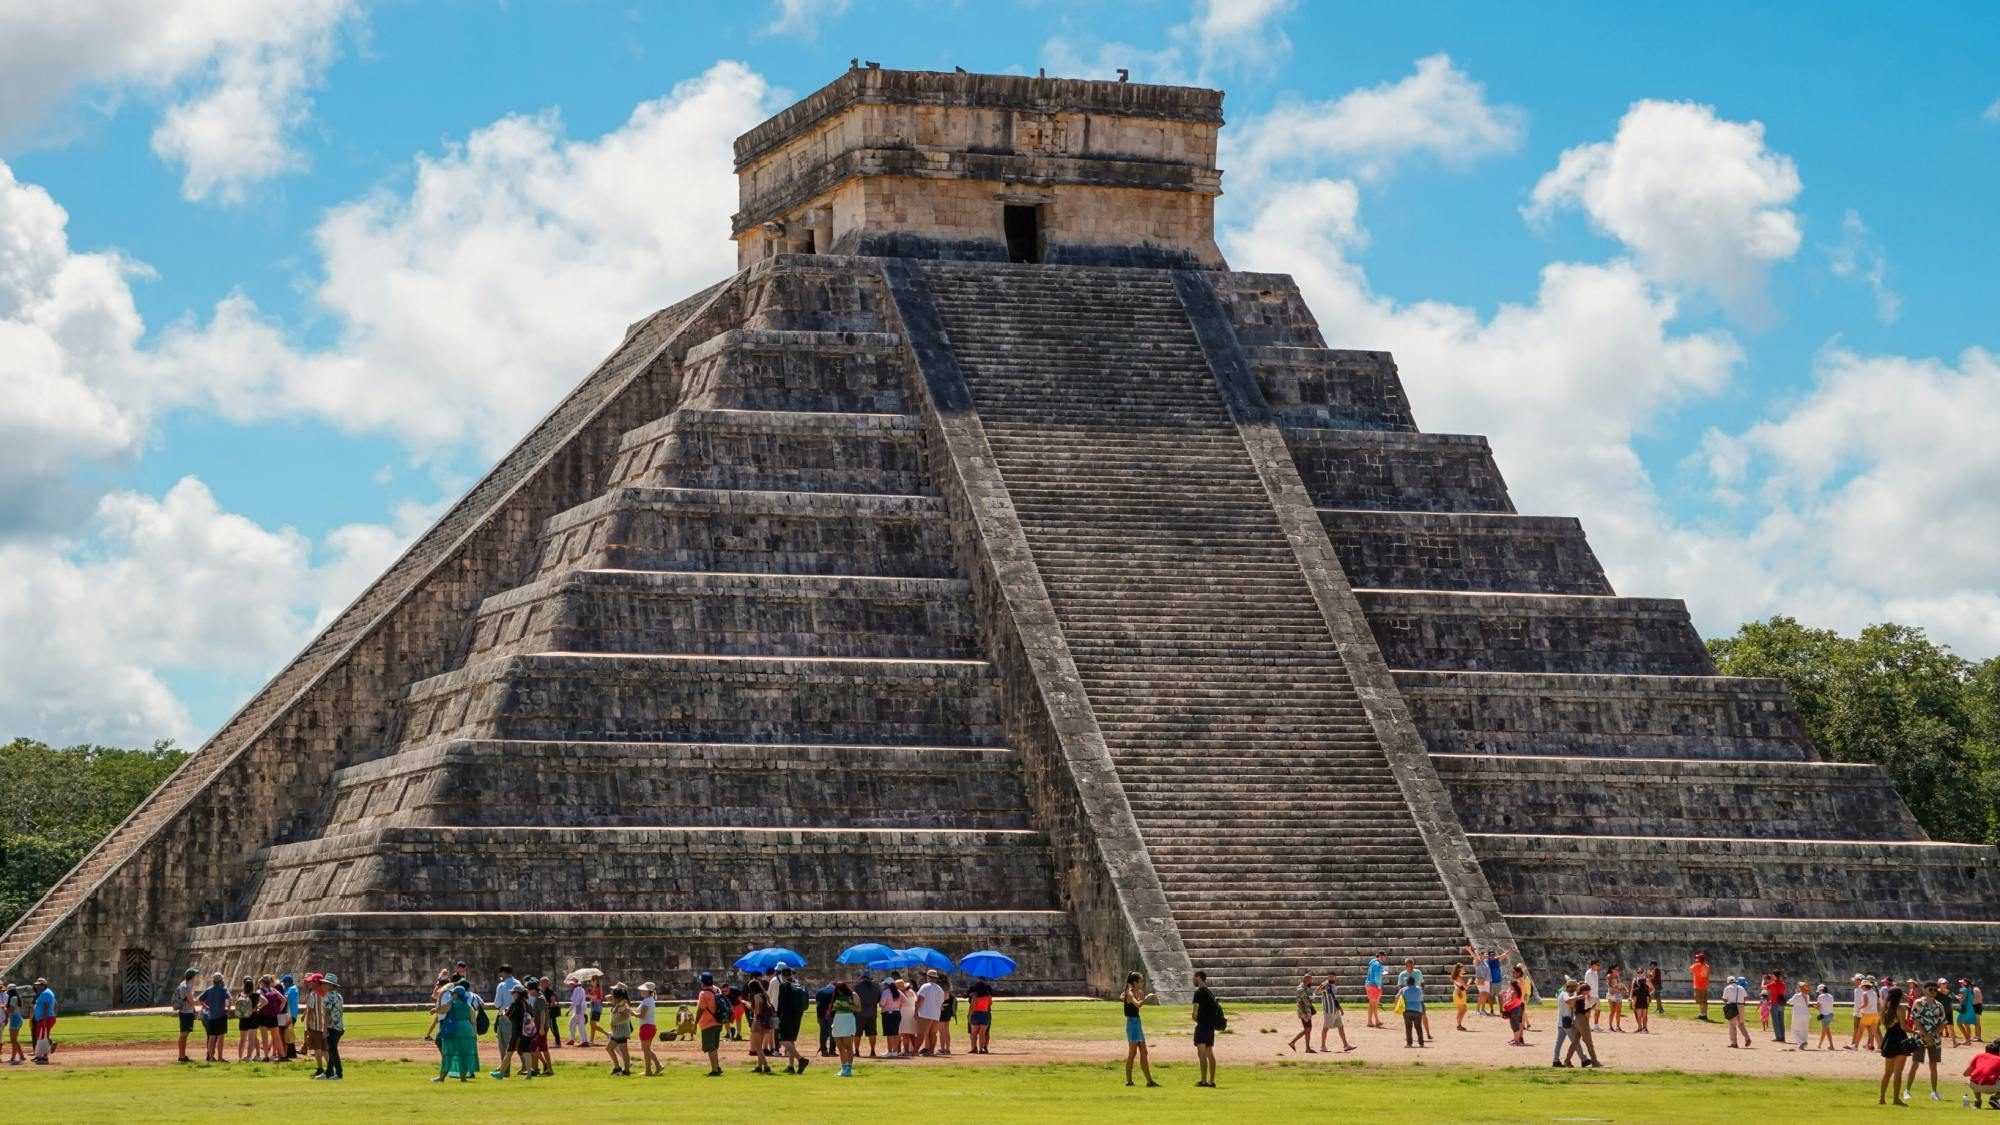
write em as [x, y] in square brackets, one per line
[1625, 801]
[740, 701]
[1266, 805]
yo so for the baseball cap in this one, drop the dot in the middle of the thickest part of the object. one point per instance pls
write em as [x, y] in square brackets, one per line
[707, 978]
[191, 974]
[286, 979]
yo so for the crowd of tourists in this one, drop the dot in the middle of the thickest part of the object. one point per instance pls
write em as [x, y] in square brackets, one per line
[1910, 1024]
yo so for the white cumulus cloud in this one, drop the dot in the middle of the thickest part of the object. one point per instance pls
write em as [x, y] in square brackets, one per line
[235, 74]
[1438, 110]
[1700, 202]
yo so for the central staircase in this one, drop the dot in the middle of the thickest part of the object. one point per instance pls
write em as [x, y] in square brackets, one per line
[1265, 802]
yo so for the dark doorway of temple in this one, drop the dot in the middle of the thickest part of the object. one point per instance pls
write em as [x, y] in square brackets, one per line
[1024, 233]
[135, 979]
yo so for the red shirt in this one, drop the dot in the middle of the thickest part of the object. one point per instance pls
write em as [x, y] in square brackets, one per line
[1985, 1069]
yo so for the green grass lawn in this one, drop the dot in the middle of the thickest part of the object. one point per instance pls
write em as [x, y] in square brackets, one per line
[386, 1092]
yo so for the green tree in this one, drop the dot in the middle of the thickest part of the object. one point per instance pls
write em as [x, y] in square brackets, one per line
[1892, 697]
[57, 803]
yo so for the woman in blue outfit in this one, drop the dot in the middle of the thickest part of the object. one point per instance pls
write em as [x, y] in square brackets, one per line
[457, 1039]
[1135, 997]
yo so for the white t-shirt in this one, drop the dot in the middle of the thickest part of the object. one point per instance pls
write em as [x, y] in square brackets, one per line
[1866, 1002]
[579, 1000]
[930, 1001]
[1826, 1003]
[1590, 978]
[646, 1007]
[1734, 993]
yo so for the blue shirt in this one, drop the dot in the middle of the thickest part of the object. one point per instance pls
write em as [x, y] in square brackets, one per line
[1413, 999]
[292, 1001]
[216, 997]
[1493, 969]
[45, 1005]
[1375, 971]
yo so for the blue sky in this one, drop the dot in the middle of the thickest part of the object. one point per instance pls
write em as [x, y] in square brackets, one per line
[279, 278]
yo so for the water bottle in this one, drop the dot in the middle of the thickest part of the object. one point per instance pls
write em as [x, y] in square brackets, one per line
[1965, 1101]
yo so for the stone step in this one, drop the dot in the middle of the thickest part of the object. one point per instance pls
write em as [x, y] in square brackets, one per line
[1573, 796]
[776, 450]
[1464, 551]
[656, 868]
[753, 369]
[1701, 877]
[1375, 469]
[617, 698]
[747, 531]
[493, 782]
[1511, 632]
[1332, 388]
[635, 611]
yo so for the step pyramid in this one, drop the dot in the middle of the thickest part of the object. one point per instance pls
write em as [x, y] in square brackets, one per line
[985, 564]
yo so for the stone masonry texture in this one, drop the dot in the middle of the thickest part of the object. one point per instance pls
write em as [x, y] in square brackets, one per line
[1086, 606]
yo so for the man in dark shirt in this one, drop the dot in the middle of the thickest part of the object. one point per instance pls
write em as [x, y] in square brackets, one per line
[823, 1009]
[214, 1002]
[870, 995]
[1207, 1021]
[793, 1000]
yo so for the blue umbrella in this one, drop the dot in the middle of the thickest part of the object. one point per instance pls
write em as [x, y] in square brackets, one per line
[988, 963]
[889, 963]
[925, 955]
[867, 953]
[761, 960]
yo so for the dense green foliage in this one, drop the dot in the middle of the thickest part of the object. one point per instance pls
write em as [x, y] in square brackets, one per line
[55, 804]
[1891, 696]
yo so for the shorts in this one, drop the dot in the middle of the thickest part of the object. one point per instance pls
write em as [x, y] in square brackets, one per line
[788, 1030]
[843, 1025]
[14, 1020]
[1513, 1019]
[1933, 1052]
[187, 1021]
[216, 1028]
[1331, 1018]
[892, 1023]
[711, 1038]
[1872, 1019]
[1135, 1032]
[1485, 986]
[1826, 1019]
[246, 1023]
[315, 1039]
[979, 1019]
[620, 1038]
[647, 1031]
[867, 1023]
[1374, 992]
[1204, 1036]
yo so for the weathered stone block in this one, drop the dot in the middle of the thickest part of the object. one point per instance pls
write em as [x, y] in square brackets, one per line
[1488, 632]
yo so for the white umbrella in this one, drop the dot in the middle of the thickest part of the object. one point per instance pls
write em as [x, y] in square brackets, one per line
[586, 974]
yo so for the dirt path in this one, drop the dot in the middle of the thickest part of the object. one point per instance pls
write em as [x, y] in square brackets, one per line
[1255, 1038]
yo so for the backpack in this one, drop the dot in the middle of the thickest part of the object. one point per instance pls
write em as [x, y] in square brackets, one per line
[528, 1027]
[1221, 1020]
[242, 1006]
[479, 1021]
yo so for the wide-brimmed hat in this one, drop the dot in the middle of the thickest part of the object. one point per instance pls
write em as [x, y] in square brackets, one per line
[646, 987]
[329, 978]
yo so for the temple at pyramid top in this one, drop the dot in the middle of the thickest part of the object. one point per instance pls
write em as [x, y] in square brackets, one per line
[985, 167]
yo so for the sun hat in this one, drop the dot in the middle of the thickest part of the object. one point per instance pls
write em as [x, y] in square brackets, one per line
[329, 978]
[646, 987]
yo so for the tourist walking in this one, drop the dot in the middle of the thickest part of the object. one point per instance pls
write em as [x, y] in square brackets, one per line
[711, 1013]
[1458, 994]
[793, 1000]
[649, 1029]
[1930, 1019]
[846, 1022]
[579, 1011]
[1583, 1043]
[1331, 1015]
[1801, 1017]
[503, 1002]
[1565, 1020]
[595, 993]
[979, 1016]
[1698, 976]
[1134, 998]
[1824, 1002]
[518, 1019]
[1410, 998]
[1897, 1046]
[335, 1008]
[891, 1003]
[457, 1039]
[215, 1003]
[1592, 980]
[184, 1005]
[10, 1018]
[617, 1041]
[542, 1010]
[1208, 1019]
[315, 1013]
[869, 994]
[1867, 1014]
[1734, 996]
[823, 1015]
[1642, 1001]
[1303, 1008]
[1372, 985]
[930, 1009]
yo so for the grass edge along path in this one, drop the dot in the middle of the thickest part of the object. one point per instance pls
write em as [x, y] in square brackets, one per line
[1030, 1095]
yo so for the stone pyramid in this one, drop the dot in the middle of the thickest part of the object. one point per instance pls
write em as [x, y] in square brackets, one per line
[985, 564]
